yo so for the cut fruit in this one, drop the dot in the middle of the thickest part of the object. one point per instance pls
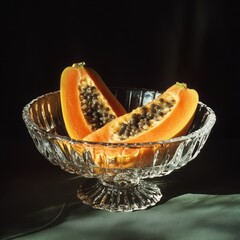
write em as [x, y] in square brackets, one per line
[169, 115]
[87, 103]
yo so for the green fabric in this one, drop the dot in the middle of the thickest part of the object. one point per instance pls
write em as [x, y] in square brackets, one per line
[186, 217]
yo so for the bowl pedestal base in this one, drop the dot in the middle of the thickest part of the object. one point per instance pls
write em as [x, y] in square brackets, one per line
[119, 197]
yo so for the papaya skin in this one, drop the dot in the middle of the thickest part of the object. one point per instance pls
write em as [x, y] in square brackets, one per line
[71, 108]
[74, 119]
[174, 124]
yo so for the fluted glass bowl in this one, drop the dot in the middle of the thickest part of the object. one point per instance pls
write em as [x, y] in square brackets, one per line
[120, 171]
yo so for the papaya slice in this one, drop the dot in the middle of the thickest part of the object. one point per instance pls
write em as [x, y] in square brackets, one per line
[169, 115]
[86, 102]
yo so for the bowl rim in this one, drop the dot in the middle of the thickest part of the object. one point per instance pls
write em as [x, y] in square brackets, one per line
[30, 123]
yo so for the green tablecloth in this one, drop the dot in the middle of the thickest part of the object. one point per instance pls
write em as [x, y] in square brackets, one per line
[186, 217]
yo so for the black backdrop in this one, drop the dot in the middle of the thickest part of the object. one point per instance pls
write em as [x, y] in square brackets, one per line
[128, 43]
[135, 44]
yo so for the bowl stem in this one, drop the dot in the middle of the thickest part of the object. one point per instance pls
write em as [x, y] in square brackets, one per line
[120, 196]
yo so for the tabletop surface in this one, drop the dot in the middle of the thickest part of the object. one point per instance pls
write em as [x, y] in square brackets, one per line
[188, 216]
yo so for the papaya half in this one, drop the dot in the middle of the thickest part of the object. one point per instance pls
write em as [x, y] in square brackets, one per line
[169, 115]
[86, 102]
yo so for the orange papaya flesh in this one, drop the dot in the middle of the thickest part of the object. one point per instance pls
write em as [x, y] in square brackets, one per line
[122, 157]
[87, 103]
[169, 115]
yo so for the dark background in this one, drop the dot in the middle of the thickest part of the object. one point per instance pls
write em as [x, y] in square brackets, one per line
[132, 44]
[128, 43]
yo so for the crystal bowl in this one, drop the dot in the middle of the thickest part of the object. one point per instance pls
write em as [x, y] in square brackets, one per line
[120, 184]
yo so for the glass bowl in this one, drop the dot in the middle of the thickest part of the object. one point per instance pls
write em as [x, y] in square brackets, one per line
[120, 171]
